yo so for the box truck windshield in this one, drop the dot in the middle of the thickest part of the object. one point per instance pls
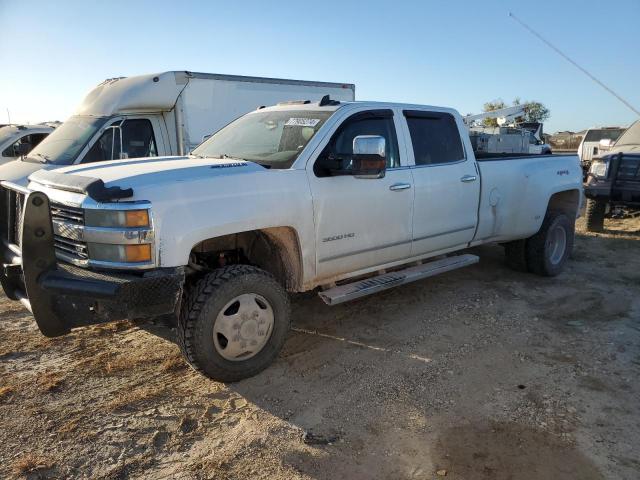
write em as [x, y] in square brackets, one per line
[67, 141]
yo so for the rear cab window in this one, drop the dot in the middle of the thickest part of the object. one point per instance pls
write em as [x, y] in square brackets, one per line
[435, 137]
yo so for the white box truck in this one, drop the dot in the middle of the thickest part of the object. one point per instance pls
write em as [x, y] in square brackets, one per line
[160, 114]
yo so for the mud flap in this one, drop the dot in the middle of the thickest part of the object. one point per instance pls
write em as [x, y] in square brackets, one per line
[38, 258]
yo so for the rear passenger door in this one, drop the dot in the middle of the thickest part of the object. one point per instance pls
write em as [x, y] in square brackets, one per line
[447, 184]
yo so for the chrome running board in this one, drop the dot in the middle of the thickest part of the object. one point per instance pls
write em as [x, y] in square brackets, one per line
[362, 288]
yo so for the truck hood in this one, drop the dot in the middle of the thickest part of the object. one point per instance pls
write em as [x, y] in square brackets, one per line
[18, 171]
[154, 171]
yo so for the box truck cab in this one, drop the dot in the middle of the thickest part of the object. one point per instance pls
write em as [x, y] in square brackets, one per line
[160, 114]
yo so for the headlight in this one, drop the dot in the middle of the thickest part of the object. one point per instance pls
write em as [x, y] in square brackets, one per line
[103, 252]
[117, 218]
[116, 237]
[599, 169]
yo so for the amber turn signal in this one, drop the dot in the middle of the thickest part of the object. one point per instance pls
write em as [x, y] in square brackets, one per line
[138, 253]
[137, 218]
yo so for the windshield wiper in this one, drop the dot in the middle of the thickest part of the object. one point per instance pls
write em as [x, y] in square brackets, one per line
[230, 157]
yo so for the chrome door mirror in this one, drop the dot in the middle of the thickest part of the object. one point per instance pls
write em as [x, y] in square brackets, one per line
[369, 156]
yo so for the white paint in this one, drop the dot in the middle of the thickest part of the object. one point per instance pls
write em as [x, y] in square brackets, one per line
[368, 226]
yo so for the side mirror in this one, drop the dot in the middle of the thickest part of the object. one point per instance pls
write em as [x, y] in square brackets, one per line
[369, 157]
[22, 149]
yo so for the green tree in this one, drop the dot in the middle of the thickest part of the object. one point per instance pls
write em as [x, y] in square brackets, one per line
[533, 111]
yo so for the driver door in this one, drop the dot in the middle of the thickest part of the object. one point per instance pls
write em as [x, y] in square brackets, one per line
[361, 222]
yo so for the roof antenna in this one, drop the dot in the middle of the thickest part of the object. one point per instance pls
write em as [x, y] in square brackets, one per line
[566, 57]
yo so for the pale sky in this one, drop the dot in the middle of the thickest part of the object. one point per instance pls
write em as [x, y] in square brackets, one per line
[455, 53]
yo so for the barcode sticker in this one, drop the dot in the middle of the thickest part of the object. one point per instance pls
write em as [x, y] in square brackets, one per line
[303, 122]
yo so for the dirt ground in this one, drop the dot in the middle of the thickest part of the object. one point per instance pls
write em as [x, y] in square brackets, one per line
[482, 373]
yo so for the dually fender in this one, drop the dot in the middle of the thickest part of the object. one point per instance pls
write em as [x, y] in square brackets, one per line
[514, 203]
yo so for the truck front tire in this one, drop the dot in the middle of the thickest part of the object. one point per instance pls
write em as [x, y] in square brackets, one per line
[595, 212]
[233, 322]
[548, 250]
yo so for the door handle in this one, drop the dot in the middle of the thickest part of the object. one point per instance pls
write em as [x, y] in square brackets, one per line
[468, 178]
[399, 186]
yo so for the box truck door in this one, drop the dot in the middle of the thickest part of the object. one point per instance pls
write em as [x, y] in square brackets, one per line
[127, 138]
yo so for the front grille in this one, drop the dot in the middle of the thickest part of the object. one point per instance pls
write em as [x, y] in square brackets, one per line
[629, 169]
[14, 204]
[67, 214]
[67, 247]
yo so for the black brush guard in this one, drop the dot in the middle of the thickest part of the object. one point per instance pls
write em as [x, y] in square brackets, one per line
[62, 296]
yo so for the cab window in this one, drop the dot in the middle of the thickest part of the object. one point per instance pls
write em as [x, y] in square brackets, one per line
[435, 137]
[129, 138]
[340, 147]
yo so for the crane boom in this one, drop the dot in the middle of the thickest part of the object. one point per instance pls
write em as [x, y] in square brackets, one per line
[502, 115]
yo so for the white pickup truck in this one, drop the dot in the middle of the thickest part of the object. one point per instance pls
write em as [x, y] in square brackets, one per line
[347, 198]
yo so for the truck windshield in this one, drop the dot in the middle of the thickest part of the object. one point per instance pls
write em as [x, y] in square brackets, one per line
[631, 136]
[67, 141]
[273, 139]
[603, 134]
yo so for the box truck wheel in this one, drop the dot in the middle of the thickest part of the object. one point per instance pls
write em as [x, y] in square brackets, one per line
[548, 250]
[595, 212]
[233, 322]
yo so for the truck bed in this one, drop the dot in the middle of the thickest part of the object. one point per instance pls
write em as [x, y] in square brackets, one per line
[514, 194]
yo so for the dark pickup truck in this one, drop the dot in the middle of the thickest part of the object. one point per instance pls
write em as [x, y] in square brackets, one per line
[613, 182]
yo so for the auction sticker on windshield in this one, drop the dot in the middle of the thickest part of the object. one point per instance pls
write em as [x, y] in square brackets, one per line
[303, 122]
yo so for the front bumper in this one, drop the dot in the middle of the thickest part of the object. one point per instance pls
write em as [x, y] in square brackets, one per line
[62, 296]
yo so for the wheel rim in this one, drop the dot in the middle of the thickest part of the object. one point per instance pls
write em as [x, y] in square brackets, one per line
[243, 327]
[557, 244]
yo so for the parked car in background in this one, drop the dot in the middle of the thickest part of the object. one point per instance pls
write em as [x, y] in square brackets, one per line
[19, 140]
[350, 198]
[591, 145]
[159, 114]
[613, 182]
